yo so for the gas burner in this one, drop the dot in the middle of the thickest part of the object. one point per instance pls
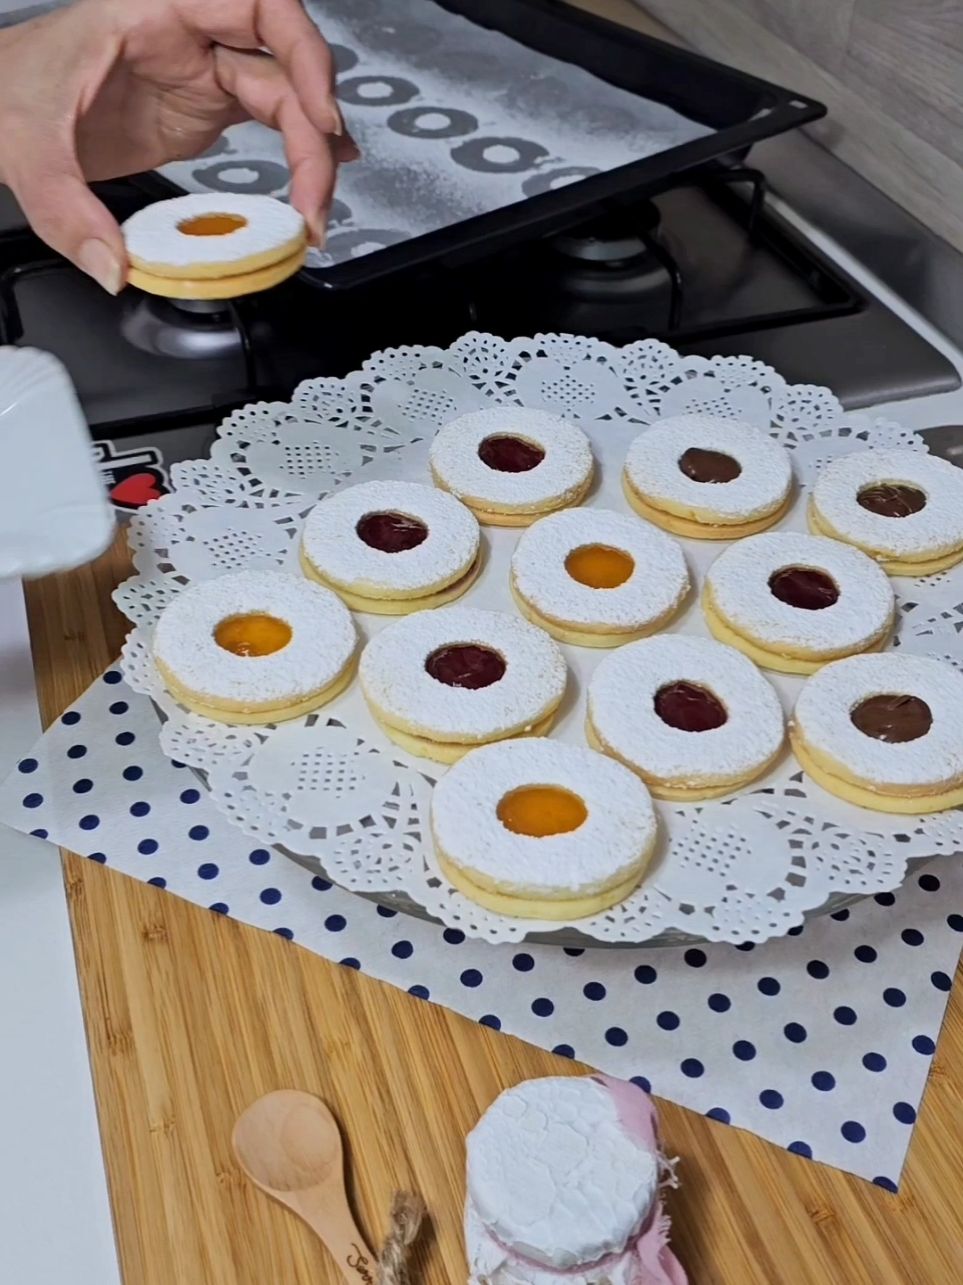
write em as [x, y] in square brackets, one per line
[614, 240]
[196, 329]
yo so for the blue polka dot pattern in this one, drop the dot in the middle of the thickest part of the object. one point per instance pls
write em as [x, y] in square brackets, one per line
[112, 677]
[133, 773]
[929, 883]
[668, 1020]
[874, 1062]
[853, 1131]
[39, 833]
[270, 896]
[198, 832]
[523, 963]
[27, 765]
[692, 1067]
[333, 923]
[887, 1184]
[471, 977]
[641, 1082]
[99, 857]
[147, 847]
[208, 870]
[83, 786]
[794, 1032]
[719, 1003]
[801, 1149]
[646, 974]
[158, 881]
[768, 986]
[695, 958]
[259, 857]
[616, 1037]
[923, 1044]
[402, 950]
[941, 981]
[70, 719]
[219, 907]
[885, 899]
[78, 752]
[894, 997]
[744, 1050]
[321, 885]
[720, 1114]
[489, 1019]
[119, 707]
[824, 1081]
[904, 1113]
[453, 936]
[816, 968]
[844, 1015]
[912, 937]
[563, 1050]
[139, 809]
[286, 933]
[865, 954]
[125, 738]
[419, 992]
[385, 912]
[955, 922]
[33, 801]
[190, 796]
[771, 1099]
[543, 1007]
[594, 991]
[349, 961]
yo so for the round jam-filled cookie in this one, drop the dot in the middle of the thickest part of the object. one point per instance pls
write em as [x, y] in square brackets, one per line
[563, 1184]
[392, 547]
[598, 579]
[213, 246]
[708, 477]
[441, 682]
[511, 466]
[884, 732]
[693, 718]
[793, 602]
[255, 647]
[542, 830]
[903, 508]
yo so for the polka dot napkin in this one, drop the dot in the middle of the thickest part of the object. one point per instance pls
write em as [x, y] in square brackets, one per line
[820, 1042]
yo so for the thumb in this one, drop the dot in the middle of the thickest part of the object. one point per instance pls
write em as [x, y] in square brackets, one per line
[64, 212]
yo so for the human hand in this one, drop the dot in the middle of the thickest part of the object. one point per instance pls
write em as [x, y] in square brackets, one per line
[112, 87]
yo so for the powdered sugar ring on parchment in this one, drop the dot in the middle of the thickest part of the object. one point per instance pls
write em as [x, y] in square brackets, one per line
[652, 467]
[396, 681]
[155, 241]
[822, 716]
[739, 585]
[605, 849]
[621, 707]
[935, 529]
[332, 545]
[565, 469]
[323, 639]
[657, 584]
[749, 867]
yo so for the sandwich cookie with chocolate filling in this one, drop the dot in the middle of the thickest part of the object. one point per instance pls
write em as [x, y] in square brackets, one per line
[794, 602]
[903, 508]
[255, 647]
[884, 732]
[538, 829]
[693, 718]
[596, 578]
[213, 246]
[392, 547]
[564, 1180]
[441, 682]
[511, 466]
[708, 477]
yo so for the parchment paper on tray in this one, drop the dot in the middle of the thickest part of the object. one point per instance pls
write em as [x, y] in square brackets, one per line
[452, 121]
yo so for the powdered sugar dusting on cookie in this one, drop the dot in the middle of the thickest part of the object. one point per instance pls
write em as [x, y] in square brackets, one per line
[824, 706]
[607, 847]
[739, 583]
[658, 583]
[564, 471]
[332, 545]
[621, 707]
[936, 529]
[323, 638]
[153, 234]
[396, 682]
[652, 467]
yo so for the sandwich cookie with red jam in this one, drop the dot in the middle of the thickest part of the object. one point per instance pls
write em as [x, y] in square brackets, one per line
[442, 682]
[511, 466]
[708, 477]
[392, 547]
[564, 1187]
[255, 647]
[795, 602]
[538, 829]
[903, 508]
[214, 246]
[596, 578]
[693, 718]
[884, 732]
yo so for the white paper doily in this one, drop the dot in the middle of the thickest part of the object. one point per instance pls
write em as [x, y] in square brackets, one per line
[332, 788]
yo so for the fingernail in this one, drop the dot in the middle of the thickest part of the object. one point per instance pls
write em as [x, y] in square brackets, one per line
[99, 261]
[337, 119]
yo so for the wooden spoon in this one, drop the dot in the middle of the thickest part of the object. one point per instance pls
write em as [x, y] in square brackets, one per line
[289, 1145]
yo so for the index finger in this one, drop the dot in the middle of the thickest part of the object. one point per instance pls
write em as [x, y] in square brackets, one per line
[284, 28]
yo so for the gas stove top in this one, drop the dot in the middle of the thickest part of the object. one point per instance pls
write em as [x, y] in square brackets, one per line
[706, 265]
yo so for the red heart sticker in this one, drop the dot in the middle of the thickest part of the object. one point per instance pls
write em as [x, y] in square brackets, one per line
[136, 490]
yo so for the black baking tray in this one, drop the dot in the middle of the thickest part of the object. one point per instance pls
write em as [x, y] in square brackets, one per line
[741, 110]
